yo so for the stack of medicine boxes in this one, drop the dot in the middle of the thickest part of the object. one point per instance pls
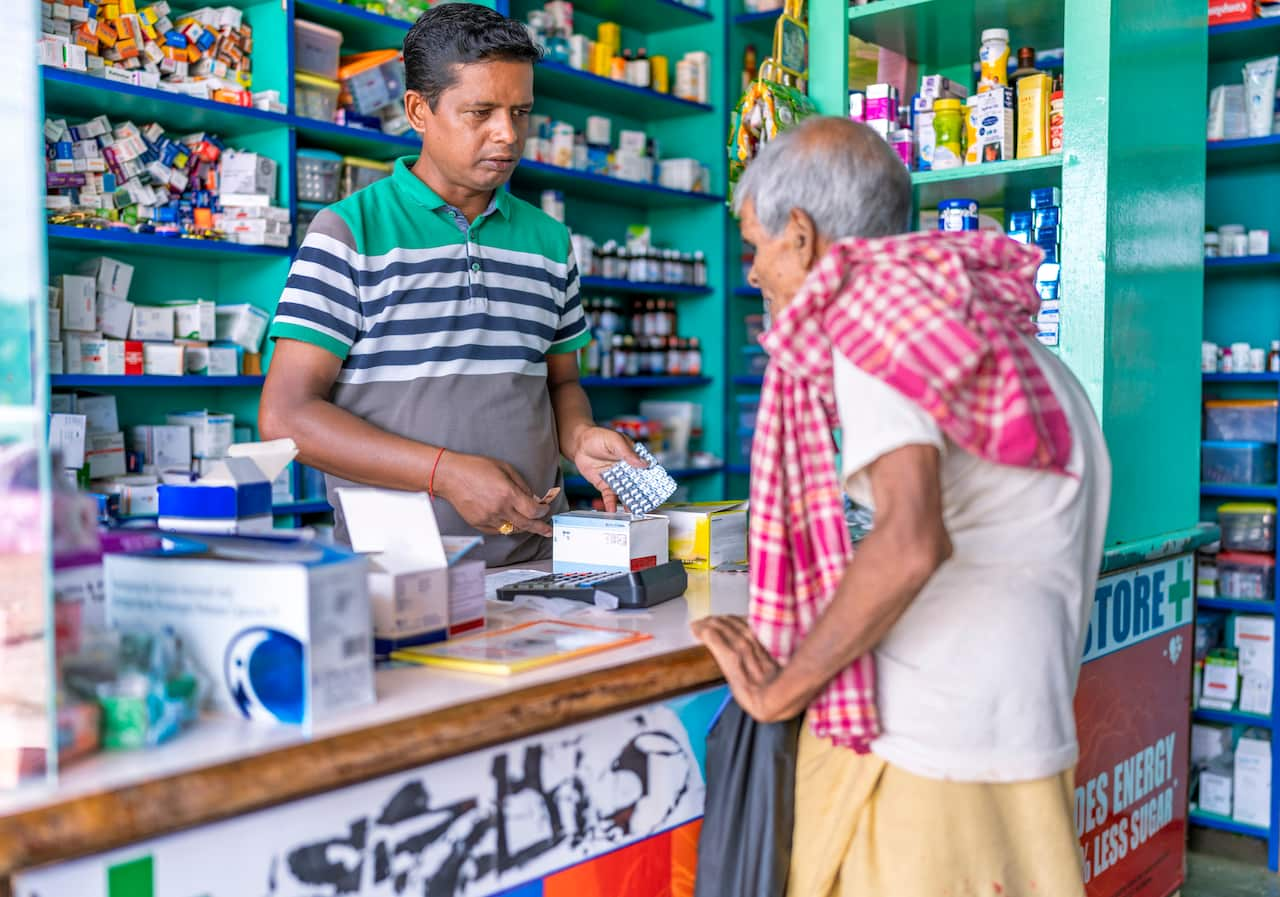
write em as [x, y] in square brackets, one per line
[1041, 226]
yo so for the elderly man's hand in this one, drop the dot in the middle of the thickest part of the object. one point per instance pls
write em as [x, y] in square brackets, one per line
[750, 670]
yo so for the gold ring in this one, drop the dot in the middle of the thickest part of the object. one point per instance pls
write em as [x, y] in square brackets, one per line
[507, 529]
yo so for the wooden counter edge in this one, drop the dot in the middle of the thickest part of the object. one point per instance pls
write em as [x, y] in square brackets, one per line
[92, 823]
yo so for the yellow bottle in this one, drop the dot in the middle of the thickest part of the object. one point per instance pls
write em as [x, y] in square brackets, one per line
[993, 59]
[1033, 115]
[660, 68]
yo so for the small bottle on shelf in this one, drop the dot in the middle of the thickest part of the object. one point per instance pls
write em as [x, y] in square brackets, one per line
[693, 358]
[1273, 357]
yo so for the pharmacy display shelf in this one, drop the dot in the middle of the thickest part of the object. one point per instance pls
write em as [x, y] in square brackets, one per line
[103, 381]
[1244, 40]
[79, 95]
[361, 30]
[1242, 378]
[614, 285]
[643, 382]
[747, 293]
[1227, 824]
[1243, 153]
[88, 239]
[1242, 264]
[560, 81]
[354, 141]
[1237, 490]
[308, 506]
[1237, 605]
[648, 16]
[679, 474]
[989, 182]
[763, 22]
[741, 470]
[749, 380]
[585, 185]
[946, 33]
[1230, 717]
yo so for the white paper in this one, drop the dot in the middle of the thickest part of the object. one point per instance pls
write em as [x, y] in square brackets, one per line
[271, 457]
[400, 523]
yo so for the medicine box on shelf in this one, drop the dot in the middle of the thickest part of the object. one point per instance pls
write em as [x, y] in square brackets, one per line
[1248, 526]
[1236, 419]
[1246, 575]
[1249, 463]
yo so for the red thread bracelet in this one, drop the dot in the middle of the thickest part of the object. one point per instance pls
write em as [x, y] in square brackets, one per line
[431, 483]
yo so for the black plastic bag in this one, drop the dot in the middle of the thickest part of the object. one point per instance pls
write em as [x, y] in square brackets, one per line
[744, 849]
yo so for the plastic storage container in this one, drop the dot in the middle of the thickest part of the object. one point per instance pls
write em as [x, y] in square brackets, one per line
[755, 360]
[1253, 419]
[315, 97]
[748, 408]
[371, 81]
[1248, 463]
[316, 49]
[1248, 526]
[319, 172]
[359, 173]
[1246, 576]
[755, 328]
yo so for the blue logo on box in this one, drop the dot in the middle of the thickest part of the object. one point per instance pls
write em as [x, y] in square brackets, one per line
[265, 673]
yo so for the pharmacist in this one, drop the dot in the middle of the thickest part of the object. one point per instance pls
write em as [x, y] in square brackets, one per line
[937, 665]
[427, 337]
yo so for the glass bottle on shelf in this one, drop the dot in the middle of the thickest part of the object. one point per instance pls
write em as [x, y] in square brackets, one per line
[694, 357]
[631, 347]
[618, 356]
[558, 46]
[675, 357]
[1273, 357]
[699, 269]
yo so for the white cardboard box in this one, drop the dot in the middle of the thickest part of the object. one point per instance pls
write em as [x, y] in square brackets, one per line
[585, 541]
[165, 447]
[1255, 640]
[100, 411]
[115, 357]
[1221, 683]
[104, 453]
[422, 586]
[114, 316]
[1215, 792]
[705, 535]
[244, 172]
[163, 359]
[242, 324]
[112, 277]
[56, 361]
[296, 613]
[152, 323]
[93, 355]
[212, 432]
[196, 358]
[1252, 789]
[79, 302]
[224, 361]
[195, 320]
[67, 437]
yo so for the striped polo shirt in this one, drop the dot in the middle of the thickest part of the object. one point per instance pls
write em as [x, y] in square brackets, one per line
[443, 327]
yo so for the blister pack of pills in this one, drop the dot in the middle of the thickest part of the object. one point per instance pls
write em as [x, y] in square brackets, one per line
[640, 489]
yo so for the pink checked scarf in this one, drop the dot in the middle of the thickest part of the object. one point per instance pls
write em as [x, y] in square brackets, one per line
[940, 318]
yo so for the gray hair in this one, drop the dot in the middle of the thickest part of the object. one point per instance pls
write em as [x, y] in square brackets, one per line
[840, 172]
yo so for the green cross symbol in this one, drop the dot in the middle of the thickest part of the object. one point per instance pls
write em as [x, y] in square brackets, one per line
[1179, 592]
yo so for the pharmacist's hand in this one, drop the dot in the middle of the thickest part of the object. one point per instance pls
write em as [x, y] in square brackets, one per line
[750, 670]
[488, 493]
[599, 448]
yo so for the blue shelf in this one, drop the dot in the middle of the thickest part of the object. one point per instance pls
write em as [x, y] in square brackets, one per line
[585, 185]
[1226, 824]
[1247, 151]
[748, 293]
[1238, 490]
[311, 506]
[555, 79]
[643, 382]
[1243, 40]
[749, 380]
[64, 236]
[763, 22]
[1242, 263]
[1242, 378]
[741, 470]
[354, 141]
[82, 95]
[189, 381]
[1240, 605]
[361, 30]
[1231, 717]
[677, 473]
[646, 15]
[613, 285]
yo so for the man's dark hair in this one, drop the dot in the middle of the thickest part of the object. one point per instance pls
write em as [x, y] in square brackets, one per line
[453, 34]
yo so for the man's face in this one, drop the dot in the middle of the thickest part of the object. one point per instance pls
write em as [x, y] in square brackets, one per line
[476, 134]
[781, 262]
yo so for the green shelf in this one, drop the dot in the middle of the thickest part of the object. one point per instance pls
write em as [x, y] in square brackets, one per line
[555, 79]
[361, 30]
[648, 16]
[1243, 153]
[991, 183]
[946, 33]
[762, 23]
[584, 185]
[353, 141]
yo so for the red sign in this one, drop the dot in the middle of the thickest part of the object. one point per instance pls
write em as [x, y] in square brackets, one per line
[1133, 716]
[1222, 12]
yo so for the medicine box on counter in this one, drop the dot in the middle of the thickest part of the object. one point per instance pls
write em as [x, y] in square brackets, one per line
[707, 534]
[423, 587]
[587, 541]
[280, 627]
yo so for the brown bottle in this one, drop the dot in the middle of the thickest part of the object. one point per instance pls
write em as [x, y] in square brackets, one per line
[1026, 65]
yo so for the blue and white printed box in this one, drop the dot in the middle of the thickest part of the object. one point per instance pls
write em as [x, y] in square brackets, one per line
[588, 541]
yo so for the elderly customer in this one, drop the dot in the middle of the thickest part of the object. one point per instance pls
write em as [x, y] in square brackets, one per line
[937, 665]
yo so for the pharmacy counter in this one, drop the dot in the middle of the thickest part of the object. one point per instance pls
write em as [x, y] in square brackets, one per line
[460, 783]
